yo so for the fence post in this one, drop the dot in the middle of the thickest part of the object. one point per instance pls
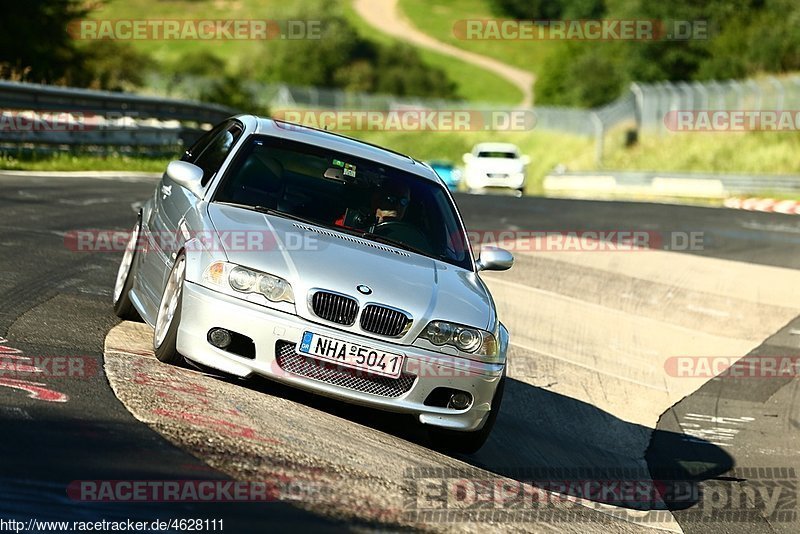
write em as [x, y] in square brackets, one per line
[638, 107]
[780, 97]
[599, 135]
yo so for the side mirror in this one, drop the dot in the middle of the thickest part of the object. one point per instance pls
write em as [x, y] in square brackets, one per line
[466, 158]
[186, 175]
[494, 259]
[525, 159]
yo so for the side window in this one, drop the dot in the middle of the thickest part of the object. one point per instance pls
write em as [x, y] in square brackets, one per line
[214, 153]
[191, 153]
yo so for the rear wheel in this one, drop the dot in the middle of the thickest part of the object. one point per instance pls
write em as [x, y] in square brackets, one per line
[165, 335]
[469, 442]
[126, 274]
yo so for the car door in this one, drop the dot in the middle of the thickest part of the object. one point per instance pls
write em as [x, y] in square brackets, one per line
[172, 201]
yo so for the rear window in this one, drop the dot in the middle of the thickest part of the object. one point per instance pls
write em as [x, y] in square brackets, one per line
[503, 155]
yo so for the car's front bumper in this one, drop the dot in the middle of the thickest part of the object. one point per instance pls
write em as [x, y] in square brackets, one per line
[204, 309]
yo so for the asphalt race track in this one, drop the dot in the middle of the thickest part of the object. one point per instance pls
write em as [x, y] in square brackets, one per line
[595, 389]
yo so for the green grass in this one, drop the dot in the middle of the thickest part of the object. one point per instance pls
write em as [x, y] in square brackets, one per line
[437, 17]
[734, 152]
[82, 162]
[168, 52]
[474, 83]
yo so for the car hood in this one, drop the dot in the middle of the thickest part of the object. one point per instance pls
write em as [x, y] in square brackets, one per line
[311, 257]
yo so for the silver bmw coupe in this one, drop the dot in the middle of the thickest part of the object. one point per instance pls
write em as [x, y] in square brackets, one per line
[324, 263]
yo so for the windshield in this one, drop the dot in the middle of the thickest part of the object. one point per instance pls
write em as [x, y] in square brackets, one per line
[503, 155]
[349, 194]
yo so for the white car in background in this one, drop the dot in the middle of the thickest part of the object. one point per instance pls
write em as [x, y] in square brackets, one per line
[495, 165]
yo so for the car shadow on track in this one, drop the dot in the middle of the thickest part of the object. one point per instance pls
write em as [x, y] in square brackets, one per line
[570, 446]
[561, 444]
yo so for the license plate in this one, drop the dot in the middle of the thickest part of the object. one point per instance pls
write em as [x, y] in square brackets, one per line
[352, 355]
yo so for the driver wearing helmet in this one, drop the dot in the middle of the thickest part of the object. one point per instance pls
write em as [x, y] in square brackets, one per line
[388, 203]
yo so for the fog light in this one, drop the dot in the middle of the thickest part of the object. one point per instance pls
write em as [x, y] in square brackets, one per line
[219, 337]
[459, 401]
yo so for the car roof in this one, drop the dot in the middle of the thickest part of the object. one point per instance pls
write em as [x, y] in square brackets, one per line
[495, 147]
[337, 142]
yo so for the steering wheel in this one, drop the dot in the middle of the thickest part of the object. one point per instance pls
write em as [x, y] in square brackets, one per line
[403, 231]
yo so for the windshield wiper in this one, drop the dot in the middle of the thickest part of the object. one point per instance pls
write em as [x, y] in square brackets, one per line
[382, 239]
[394, 243]
[270, 211]
[262, 209]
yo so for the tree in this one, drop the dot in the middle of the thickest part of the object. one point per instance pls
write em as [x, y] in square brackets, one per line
[49, 53]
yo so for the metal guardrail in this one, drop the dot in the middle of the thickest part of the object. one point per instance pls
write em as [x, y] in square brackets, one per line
[643, 107]
[153, 125]
[36, 97]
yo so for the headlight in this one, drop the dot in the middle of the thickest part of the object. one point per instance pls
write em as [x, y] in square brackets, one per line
[246, 280]
[242, 279]
[464, 338]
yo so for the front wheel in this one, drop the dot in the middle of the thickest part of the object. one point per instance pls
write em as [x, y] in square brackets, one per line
[126, 274]
[165, 335]
[469, 442]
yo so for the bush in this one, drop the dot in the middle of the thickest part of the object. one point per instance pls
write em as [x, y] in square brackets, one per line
[343, 59]
[549, 9]
[582, 75]
[112, 66]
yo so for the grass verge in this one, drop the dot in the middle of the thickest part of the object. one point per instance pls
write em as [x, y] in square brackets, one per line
[438, 20]
[82, 162]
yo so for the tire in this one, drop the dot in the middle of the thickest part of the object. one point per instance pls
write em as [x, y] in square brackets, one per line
[126, 274]
[165, 334]
[469, 442]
